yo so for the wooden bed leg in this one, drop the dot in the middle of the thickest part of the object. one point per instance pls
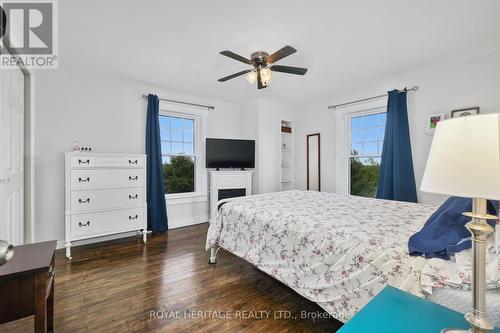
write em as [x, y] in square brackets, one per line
[213, 256]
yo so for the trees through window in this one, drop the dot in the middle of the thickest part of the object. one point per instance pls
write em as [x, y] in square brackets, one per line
[178, 137]
[365, 151]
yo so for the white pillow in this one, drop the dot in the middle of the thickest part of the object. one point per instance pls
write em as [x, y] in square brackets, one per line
[457, 272]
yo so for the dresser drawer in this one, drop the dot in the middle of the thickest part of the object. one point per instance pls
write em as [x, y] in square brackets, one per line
[86, 161]
[106, 179]
[97, 224]
[83, 201]
[82, 161]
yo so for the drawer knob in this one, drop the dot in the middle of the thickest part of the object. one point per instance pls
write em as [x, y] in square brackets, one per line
[84, 180]
[84, 201]
[133, 217]
[80, 224]
[133, 178]
[132, 162]
[87, 161]
[52, 271]
[133, 196]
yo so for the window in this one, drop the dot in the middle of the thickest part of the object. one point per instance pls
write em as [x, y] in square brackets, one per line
[178, 150]
[365, 151]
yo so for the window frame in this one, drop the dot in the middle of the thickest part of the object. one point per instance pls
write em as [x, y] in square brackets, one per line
[195, 154]
[200, 182]
[347, 143]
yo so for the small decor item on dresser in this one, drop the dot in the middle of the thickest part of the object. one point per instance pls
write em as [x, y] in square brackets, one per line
[465, 112]
[76, 146]
[433, 120]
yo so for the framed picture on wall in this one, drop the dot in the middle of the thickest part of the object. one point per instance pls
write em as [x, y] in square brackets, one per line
[464, 112]
[433, 120]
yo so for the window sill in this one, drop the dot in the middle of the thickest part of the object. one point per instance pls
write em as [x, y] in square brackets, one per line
[185, 198]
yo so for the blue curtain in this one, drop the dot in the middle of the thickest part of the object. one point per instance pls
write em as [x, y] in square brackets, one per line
[157, 210]
[396, 179]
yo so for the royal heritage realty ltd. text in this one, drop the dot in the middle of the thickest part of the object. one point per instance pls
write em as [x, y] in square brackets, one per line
[240, 314]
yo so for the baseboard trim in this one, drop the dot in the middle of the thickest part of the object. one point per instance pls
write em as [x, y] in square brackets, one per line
[61, 243]
[186, 221]
[172, 224]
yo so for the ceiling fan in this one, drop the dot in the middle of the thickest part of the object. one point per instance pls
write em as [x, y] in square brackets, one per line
[260, 60]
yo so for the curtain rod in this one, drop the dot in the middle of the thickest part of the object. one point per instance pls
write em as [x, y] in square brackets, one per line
[210, 107]
[414, 88]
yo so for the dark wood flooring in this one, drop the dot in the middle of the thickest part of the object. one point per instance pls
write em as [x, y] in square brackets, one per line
[167, 286]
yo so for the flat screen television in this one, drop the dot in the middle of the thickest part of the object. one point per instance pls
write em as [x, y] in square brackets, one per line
[227, 153]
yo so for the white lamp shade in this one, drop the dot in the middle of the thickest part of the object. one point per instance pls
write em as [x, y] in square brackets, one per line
[464, 159]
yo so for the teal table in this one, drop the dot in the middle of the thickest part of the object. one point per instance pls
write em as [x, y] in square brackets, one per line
[396, 311]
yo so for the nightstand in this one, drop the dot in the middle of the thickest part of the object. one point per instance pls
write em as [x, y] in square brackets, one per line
[27, 285]
[396, 311]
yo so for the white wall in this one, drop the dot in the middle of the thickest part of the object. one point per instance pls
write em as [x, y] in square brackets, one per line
[309, 120]
[250, 131]
[109, 115]
[449, 86]
[270, 115]
[261, 121]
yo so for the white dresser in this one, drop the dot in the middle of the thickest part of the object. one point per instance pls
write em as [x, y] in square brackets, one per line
[105, 195]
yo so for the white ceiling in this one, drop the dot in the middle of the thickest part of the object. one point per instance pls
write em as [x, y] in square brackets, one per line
[344, 43]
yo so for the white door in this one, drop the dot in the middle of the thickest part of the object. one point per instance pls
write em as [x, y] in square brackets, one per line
[11, 155]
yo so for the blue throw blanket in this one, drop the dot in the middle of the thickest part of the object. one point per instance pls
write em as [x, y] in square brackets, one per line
[444, 232]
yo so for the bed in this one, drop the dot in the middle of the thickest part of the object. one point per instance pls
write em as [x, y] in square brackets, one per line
[460, 300]
[337, 251]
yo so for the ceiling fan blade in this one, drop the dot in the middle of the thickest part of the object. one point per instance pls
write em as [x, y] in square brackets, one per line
[260, 85]
[236, 57]
[234, 75]
[289, 69]
[280, 54]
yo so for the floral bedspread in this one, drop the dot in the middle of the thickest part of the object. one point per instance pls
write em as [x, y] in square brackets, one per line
[457, 272]
[338, 251]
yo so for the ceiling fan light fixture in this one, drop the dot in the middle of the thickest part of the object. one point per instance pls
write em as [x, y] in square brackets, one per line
[260, 73]
[251, 77]
[265, 74]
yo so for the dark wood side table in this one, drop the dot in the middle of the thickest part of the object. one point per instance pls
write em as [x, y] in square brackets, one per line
[27, 285]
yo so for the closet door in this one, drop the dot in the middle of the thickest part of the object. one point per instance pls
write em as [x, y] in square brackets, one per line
[11, 155]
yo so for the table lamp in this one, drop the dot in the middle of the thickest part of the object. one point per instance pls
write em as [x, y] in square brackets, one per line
[6, 252]
[464, 161]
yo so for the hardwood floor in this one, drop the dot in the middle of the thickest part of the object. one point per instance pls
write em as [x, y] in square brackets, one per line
[167, 286]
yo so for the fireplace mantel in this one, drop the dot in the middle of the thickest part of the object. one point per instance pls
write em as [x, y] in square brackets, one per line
[227, 180]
